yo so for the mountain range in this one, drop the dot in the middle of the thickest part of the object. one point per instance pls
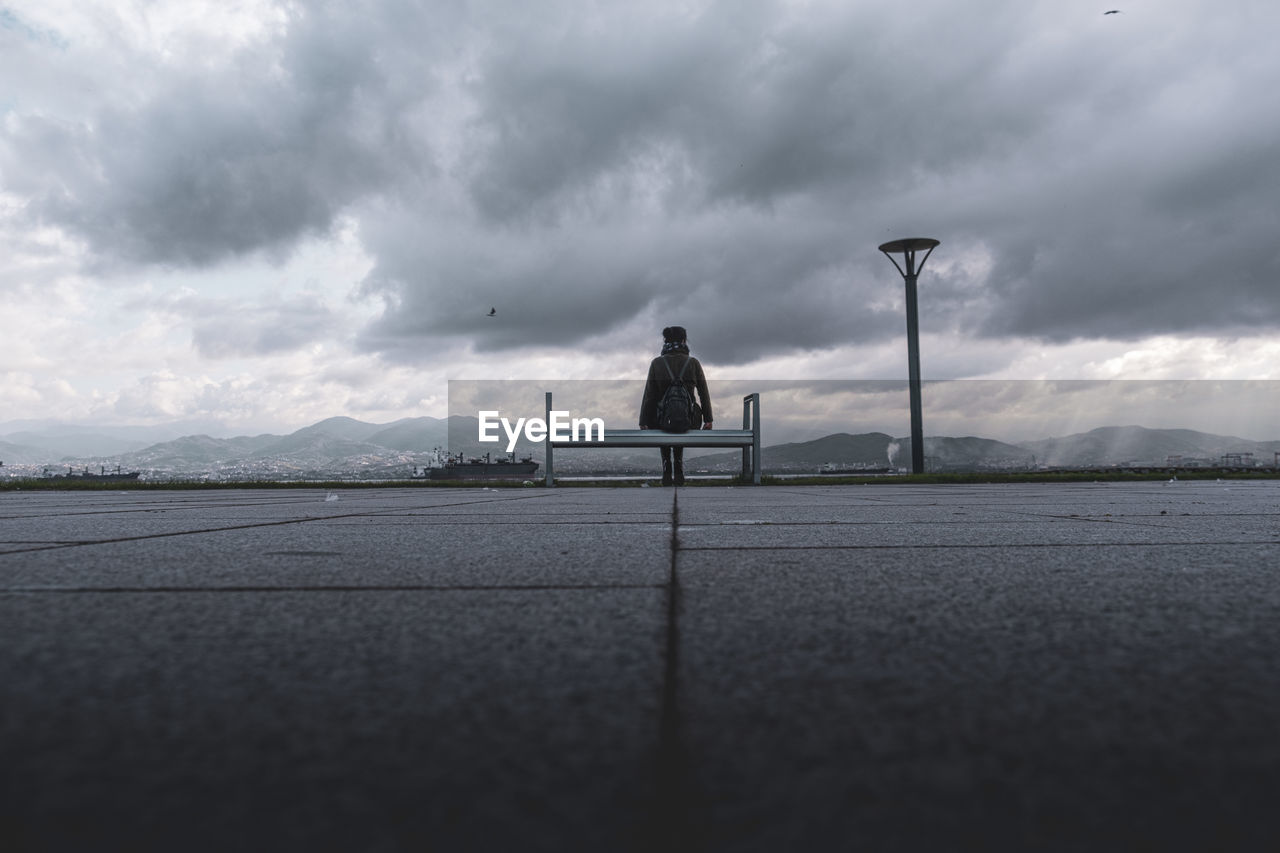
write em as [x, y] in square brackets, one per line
[343, 446]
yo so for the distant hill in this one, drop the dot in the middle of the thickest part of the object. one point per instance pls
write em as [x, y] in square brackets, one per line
[78, 439]
[346, 446]
[842, 449]
[21, 454]
[339, 427]
[876, 450]
[77, 443]
[316, 448]
[419, 434]
[335, 445]
[967, 453]
[1140, 445]
[195, 451]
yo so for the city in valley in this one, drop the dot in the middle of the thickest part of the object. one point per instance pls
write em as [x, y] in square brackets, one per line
[345, 448]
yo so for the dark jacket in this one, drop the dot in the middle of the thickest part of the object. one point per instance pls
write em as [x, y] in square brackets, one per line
[659, 381]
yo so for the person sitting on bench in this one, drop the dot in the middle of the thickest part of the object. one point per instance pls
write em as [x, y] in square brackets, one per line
[675, 364]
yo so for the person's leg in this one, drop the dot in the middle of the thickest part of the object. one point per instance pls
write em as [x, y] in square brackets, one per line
[679, 465]
[666, 465]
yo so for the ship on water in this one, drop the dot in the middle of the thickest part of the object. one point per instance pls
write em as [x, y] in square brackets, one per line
[475, 468]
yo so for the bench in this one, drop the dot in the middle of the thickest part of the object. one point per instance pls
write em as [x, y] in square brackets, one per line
[748, 438]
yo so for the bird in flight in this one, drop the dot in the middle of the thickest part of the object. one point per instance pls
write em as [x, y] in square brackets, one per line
[492, 311]
[1112, 12]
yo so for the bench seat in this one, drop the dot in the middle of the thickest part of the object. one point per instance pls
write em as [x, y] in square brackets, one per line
[658, 438]
[747, 438]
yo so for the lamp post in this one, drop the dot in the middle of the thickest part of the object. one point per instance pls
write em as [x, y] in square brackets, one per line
[908, 248]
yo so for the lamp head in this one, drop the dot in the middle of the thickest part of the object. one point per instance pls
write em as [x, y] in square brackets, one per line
[910, 244]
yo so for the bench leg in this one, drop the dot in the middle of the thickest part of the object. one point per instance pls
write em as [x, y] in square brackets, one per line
[751, 421]
[551, 470]
[755, 438]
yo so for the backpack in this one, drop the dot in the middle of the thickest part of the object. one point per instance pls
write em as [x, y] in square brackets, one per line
[676, 409]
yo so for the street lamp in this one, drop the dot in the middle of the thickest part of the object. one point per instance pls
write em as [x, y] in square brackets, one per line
[908, 249]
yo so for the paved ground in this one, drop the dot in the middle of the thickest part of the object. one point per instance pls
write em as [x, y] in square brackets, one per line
[871, 667]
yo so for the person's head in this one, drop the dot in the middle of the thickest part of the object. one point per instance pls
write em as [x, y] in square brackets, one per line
[674, 335]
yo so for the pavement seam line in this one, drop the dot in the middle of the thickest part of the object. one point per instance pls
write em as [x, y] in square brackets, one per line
[169, 590]
[171, 534]
[363, 514]
[213, 505]
[256, 503]
[957, 546]
[672, 777]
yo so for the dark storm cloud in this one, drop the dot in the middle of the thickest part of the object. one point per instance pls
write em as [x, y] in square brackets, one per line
[731, 166]
[734, 279]
[193, 163]
[756, 101]
[735, 170]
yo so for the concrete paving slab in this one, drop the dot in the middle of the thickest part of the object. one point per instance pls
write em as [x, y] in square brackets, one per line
[327, 721]
[836, 512]
[120, 515]
[952, 533]
[932, 707]
[460, 518]
[908, 698]
[255, 503]
[752, 682]
[369, 554]
[1018, 496]
[1175, 557]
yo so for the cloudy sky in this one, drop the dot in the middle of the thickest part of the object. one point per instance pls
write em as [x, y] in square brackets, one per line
[254, 215]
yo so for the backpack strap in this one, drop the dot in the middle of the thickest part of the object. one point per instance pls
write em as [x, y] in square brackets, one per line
[683, 368]
[677, 379]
